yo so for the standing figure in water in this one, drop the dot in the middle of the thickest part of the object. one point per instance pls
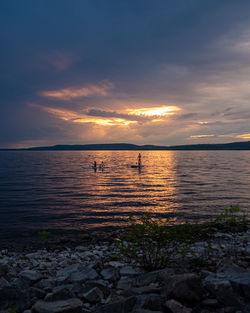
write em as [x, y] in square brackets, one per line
[139, 159]
[94, 164]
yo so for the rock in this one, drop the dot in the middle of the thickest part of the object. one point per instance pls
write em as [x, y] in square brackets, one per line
[221, 289]
[94, 295]
[67, 271]
[241, 284]
[64, 306]
[124, 283]
[3, 283]
[146, 279]
[146, 289]
[210, 303]
[176, 307]
[151, 302]
[11, 296]
[4, 268]
[37, 292]
[145, 311]
[110, 273]
[122, 306]
[185, 288]
[60, 293]
[128, 271]
[83, 275]
[45, 283]
[31, 276]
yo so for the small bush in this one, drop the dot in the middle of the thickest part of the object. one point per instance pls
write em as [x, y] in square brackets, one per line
[146, 242]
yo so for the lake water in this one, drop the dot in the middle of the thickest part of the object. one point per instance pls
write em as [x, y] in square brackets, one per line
[50, 189]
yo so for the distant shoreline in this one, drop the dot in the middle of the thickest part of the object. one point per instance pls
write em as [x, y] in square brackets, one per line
[245, 145]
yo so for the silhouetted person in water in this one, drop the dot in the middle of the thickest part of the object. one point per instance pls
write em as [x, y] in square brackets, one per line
[95, 164]
[139, 159]
[102, 165]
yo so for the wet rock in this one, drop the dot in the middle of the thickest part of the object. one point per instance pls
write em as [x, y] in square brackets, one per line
[64, 306]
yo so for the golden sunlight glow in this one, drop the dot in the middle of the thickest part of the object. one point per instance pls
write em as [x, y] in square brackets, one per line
[244, 136]
[202, 136]
[155, 111]
[104, 121]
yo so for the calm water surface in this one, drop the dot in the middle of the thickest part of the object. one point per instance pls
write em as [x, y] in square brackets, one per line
[50, 189]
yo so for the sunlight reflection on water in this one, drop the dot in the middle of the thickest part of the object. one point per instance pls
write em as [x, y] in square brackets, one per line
[50, 188]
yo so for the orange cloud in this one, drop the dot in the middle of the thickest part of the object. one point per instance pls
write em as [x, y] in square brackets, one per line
[69, 93]
[202, 136]
[244, 136]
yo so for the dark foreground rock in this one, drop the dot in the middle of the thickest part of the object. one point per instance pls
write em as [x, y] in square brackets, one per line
[95, 278]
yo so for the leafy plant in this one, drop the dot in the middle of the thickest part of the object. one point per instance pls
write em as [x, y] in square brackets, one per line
[146, 242]
[231, 219]
[43, 235]
[152, 242]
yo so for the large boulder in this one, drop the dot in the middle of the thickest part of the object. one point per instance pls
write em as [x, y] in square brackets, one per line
[186, 288]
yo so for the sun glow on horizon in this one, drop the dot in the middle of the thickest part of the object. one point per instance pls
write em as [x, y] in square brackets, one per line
[154, 111]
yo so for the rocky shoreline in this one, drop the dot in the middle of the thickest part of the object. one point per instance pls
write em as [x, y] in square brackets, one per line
[95, 277]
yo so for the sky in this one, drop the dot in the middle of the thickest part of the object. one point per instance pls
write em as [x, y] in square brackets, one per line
[163, 72]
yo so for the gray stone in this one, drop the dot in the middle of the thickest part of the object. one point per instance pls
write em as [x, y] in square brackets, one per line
[124, 283]
[128, 271]
[3, 282]
[67, 271]
[94, 295]
[186, 288]
[221, 289]
[64, 306]
[60, 293]
[146, 289]
[83, 275]
[146, 279]
[176, 307]
[110, 273]
[241, 284]
[45, 283]
[122, 306]
[210, 302]
[31, 276]
[4, 268]
[151, 302]
[37, 292]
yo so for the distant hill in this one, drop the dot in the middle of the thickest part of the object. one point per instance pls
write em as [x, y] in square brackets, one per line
[245, 145]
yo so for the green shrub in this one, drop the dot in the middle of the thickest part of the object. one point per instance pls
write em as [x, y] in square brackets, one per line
[146, 242]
